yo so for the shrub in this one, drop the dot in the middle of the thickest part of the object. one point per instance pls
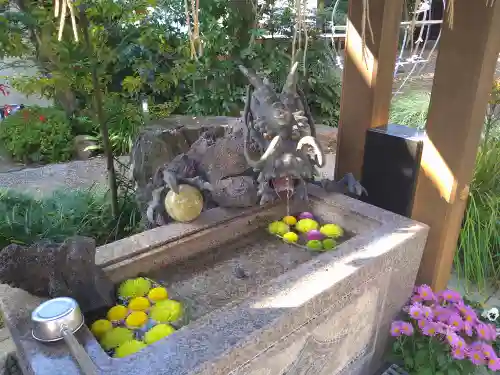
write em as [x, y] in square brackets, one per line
[442, 334]
[37, 134]
[411, 110]
[65, 213]
[477, 258]
[124, 119]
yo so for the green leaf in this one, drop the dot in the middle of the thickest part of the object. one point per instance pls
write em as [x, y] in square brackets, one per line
[421, 357]
[409, 362]
[442, 360]
[425, 371]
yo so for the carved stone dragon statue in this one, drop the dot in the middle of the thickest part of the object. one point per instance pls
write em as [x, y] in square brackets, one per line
[270, 153]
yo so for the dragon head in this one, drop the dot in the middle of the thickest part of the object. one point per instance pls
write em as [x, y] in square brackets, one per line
[281, 126]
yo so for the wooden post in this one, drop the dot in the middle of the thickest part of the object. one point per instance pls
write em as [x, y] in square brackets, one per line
[367, 81]
[465, 67]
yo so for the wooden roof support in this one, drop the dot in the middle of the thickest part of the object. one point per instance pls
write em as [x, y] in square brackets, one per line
[368, 75]
[465, 66]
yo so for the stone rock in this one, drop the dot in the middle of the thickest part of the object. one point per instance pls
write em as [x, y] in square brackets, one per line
[84, 147]
[48, 269]
[162, 141]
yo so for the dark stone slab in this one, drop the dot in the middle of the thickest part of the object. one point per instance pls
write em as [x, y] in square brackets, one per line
[49, 269]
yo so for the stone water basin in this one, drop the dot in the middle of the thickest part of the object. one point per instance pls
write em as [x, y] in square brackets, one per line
[295, 312]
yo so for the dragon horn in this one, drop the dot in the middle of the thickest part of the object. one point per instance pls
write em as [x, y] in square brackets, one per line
[252, 77]
[313, 143]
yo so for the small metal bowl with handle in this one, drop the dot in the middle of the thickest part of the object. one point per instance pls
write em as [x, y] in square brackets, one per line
[58, 319]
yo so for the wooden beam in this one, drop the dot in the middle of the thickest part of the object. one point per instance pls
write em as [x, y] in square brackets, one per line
[367, 80]
[465, 66]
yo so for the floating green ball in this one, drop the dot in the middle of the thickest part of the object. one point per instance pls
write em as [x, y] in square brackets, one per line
[306, 225]
[332, 230]
[314, 245]
[290, 237]
[278, 227]
[329, 244]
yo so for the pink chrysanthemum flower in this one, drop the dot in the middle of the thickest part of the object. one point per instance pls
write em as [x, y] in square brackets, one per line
[416, 311]
[468, 329]
[442, 314]
[477, 357]
[494, 364]
[425, 293]
[396, 329]
[406, 329]
[450, 296]
[458, 353]
[429, 328]
[455, 321]
[455, 340]
[488, 351]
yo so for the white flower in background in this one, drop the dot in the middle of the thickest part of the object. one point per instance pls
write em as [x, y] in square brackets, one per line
[491, 314]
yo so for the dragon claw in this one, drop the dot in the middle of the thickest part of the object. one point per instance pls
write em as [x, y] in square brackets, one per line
[200, 183]
[348, 182]
[354, 186]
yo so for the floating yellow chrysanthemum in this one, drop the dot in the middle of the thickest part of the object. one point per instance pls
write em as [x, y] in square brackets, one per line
[100, 327]
[158, 294]
[139, 304]
[115, 337]
[136, 319]
[131, 288]
[158, 332]
[117, 313]
[166, 311]
[129, 348]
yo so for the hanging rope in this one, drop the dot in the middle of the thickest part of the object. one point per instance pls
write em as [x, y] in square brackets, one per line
[61, 8]
[365, 21]
[300, 39]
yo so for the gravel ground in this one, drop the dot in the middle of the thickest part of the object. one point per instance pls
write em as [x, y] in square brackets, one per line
[45, 180]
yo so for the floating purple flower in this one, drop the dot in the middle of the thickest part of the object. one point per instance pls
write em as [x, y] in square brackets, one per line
[450, 296]
[416, 311]
[425, 293]
[455, 321]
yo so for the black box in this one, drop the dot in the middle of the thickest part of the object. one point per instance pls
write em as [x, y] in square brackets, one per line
[391, 163]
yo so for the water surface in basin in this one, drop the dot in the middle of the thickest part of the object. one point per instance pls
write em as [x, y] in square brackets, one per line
[226, 274]
[229, 273]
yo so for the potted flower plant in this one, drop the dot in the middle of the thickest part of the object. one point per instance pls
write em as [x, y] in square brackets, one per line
[443, 335]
